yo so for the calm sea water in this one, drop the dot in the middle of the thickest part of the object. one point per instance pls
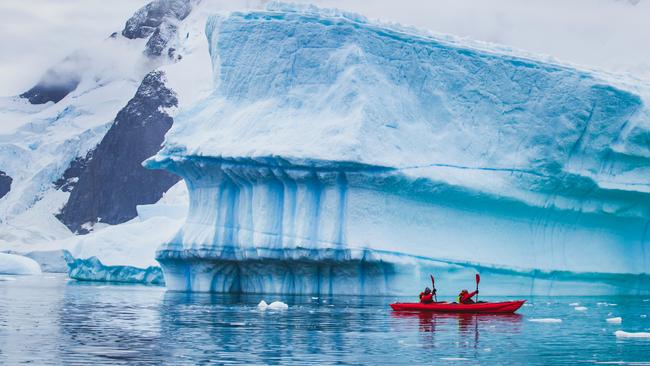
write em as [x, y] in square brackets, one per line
[51, 320]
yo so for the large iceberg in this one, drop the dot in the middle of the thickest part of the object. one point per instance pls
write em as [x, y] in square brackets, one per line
[337, 155]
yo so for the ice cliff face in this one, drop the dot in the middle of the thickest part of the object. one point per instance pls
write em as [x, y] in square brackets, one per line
[340, 156]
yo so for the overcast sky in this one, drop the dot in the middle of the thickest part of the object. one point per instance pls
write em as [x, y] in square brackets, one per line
[35, 34]
[607, 34]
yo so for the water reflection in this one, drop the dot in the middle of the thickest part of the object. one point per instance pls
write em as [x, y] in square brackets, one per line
[468, 326]
[52, 322]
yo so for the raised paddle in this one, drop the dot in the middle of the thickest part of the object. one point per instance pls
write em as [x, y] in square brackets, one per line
[433, 284]
[478, 279]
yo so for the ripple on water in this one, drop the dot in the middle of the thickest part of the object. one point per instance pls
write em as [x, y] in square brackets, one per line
[59, 322]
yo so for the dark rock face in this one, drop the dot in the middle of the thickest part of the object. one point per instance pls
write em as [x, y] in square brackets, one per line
[59, 80]
[52, 88]
[111, 180]
[71, 175]
[159, 39]
[5, 183]
[148, 18]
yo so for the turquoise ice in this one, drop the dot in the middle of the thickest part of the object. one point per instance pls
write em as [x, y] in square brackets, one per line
[336, 155]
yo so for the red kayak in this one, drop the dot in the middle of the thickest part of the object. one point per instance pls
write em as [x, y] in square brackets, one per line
[505, 307]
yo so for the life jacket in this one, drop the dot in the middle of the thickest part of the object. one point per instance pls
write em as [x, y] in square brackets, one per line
[465, 298]
[424, 298]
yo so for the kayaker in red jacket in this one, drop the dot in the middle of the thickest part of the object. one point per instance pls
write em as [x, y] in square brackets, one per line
[465, 297]
[426, 297]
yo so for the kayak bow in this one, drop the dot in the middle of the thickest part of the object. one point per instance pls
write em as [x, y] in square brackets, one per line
[505, 307]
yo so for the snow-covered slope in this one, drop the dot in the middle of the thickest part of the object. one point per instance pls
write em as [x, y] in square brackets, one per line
[71, 146]
[333, 147]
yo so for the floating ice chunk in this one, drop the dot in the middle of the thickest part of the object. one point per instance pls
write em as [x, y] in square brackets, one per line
[580, 308]
[545, 320]
[454, 358]
[278, 305]
[643, 316]
[314, 298]
[275, 305]
[605, 304]
[12, 264]
[615, 320]
[574, 304]
[623, 334]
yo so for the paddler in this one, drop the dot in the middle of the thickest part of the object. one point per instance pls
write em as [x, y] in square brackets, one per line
[465, 297]
[426, 297]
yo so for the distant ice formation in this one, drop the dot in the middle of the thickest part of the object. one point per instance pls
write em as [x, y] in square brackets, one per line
[340, 156]
[13, 264]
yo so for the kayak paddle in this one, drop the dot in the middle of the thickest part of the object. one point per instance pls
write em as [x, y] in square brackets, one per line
[433, 284]
[478, 279]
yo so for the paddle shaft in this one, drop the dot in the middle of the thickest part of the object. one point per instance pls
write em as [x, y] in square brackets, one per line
[478, 279]
[433, 284]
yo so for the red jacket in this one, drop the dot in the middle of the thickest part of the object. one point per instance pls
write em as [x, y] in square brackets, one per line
[425, 299]
[466, 298]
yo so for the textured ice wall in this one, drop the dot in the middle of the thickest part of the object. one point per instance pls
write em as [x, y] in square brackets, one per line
[329, 140]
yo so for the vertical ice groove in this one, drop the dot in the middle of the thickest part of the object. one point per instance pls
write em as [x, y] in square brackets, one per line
[289, 210]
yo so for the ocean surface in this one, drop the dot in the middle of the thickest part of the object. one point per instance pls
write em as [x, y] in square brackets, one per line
[51, 320]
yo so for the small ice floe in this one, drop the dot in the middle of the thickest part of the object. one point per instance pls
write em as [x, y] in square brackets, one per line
[605, 304]
[237, 324]
[645, 300]
[314, 298]
[623, 334]
[615, 320]
[275, 305]
[454, 359]
[527, 304]
[580, 308]
[545, 320]
[643, 316]
[574, 304]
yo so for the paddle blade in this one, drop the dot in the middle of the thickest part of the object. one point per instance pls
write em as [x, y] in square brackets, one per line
[478, 278]
[433, 281]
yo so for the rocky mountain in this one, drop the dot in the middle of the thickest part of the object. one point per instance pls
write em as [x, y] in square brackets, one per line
[110, 182]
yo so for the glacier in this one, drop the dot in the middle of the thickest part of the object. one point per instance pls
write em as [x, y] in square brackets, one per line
[340, 156]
